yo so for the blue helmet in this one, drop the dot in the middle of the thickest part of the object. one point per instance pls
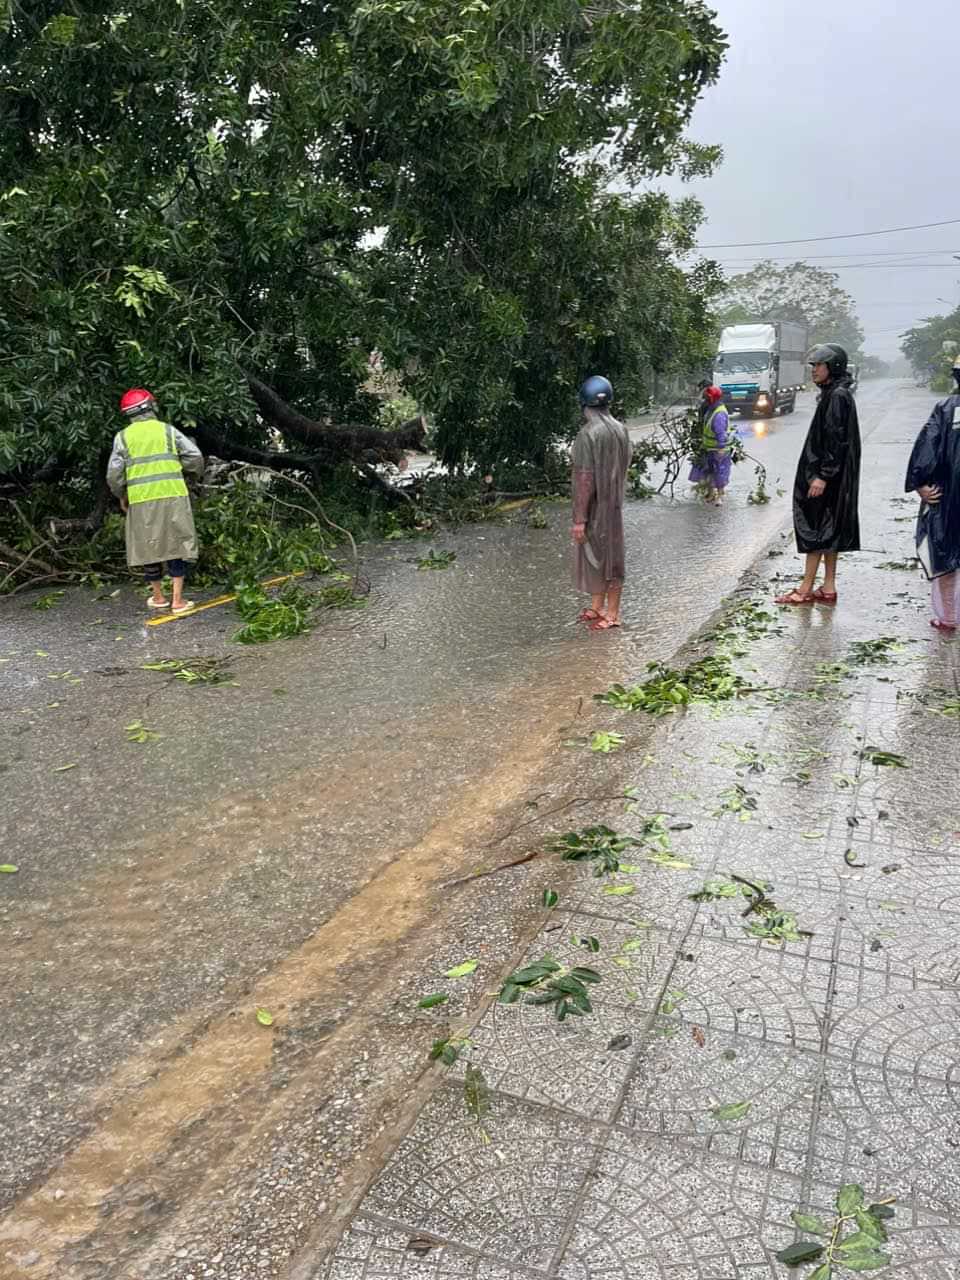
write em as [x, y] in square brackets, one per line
[596, 393]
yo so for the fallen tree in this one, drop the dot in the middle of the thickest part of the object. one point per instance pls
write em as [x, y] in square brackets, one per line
[287, 189]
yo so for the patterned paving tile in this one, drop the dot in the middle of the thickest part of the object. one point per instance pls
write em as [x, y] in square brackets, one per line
[523, 1050]
[507, 1198]
[892, 1098]
[682, 1078]
[766, 996]
[910, 915]
[368, 1250]
[654, 1211]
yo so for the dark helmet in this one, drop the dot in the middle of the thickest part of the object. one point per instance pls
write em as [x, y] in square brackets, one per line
[834, 357]
[596, 393]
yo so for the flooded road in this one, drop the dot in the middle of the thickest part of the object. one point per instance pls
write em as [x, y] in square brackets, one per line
[274, 844]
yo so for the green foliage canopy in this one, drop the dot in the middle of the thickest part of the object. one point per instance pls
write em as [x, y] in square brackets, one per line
[798, 292]
[932, 347]
[195, 189]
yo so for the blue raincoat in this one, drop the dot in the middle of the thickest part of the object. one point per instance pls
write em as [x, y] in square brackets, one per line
[936, 460]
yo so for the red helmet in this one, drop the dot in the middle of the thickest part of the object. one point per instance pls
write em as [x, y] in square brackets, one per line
[134, 399]
[712, 394]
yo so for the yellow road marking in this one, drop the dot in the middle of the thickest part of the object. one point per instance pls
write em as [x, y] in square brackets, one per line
[511, 506]
[218, 600]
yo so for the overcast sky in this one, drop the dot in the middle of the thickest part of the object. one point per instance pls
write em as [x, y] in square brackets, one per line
[838, 116]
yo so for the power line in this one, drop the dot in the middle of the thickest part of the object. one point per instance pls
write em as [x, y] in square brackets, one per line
[850, 235]
[893, 266]
[823, 257]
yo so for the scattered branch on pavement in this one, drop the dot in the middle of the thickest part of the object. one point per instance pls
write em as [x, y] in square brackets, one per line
[851, 1241]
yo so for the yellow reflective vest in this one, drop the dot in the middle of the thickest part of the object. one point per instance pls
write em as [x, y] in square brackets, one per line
[153, 469]
[709, 440]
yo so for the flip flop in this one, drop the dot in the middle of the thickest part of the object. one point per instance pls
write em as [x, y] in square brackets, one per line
[942, 626]
[182, 608]
[795, 597]
[157, 604]
[605, 624]
[825, 597]
[589, 615]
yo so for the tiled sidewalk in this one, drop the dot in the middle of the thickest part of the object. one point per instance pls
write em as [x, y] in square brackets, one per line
[607, 1163]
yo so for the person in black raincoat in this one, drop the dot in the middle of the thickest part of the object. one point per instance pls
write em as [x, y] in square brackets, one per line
[826, 490]
[934, 473]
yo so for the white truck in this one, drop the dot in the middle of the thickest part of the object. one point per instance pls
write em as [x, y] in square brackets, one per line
[761, 367]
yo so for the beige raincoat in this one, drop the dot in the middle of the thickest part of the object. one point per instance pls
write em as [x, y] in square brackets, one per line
[601, 458]
[162, 529]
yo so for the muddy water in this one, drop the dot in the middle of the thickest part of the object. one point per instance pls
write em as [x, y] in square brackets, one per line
[267, 841]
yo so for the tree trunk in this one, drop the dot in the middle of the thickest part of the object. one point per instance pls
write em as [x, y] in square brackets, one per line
[337, 443]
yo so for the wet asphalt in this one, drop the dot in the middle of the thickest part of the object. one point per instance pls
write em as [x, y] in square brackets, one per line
[159, 882]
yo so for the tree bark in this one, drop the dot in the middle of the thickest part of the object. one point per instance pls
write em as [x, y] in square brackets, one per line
[337, 443]
[213, 443]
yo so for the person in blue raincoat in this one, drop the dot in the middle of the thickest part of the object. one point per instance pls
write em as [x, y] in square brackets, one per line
[933, 472]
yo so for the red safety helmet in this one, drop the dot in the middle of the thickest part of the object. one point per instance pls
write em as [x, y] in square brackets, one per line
[712, 394]
[134, 399]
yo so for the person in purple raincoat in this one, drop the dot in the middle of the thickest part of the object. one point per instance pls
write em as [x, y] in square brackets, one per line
[712, 466]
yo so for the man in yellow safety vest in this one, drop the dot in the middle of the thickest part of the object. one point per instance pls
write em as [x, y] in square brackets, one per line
[146, 472]
[711, 467]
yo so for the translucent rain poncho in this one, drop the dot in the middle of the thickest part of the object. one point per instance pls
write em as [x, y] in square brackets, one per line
[601, 458]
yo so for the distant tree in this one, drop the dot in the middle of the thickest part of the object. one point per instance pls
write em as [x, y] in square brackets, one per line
[932, 347]
[874, 367]
[799, 292]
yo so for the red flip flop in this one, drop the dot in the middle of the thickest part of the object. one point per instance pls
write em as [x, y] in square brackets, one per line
[604, 624]
[825, 597]
[942, 626]
[795, 597]
[589, 615]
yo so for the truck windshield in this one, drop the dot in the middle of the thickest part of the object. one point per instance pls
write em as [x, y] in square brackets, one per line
[743, 361]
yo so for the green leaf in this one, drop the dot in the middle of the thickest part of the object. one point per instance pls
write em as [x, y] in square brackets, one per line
[807, 1222]
[849, 1199]
[857, 1243]
[550, 897]
[431, 1002]
[868, 1260]
[461, 970]
[803, 1251]
[881, 1211]
[731, 1111]
[8, 868]
[823, 1272]
[264, 1016]
[871, 1226]
[618, 890]
[442, 1049]
[534, 972]
[585, 975]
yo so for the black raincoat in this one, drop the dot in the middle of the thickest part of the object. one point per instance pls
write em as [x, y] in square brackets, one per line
[936, 460]
[831, 452]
